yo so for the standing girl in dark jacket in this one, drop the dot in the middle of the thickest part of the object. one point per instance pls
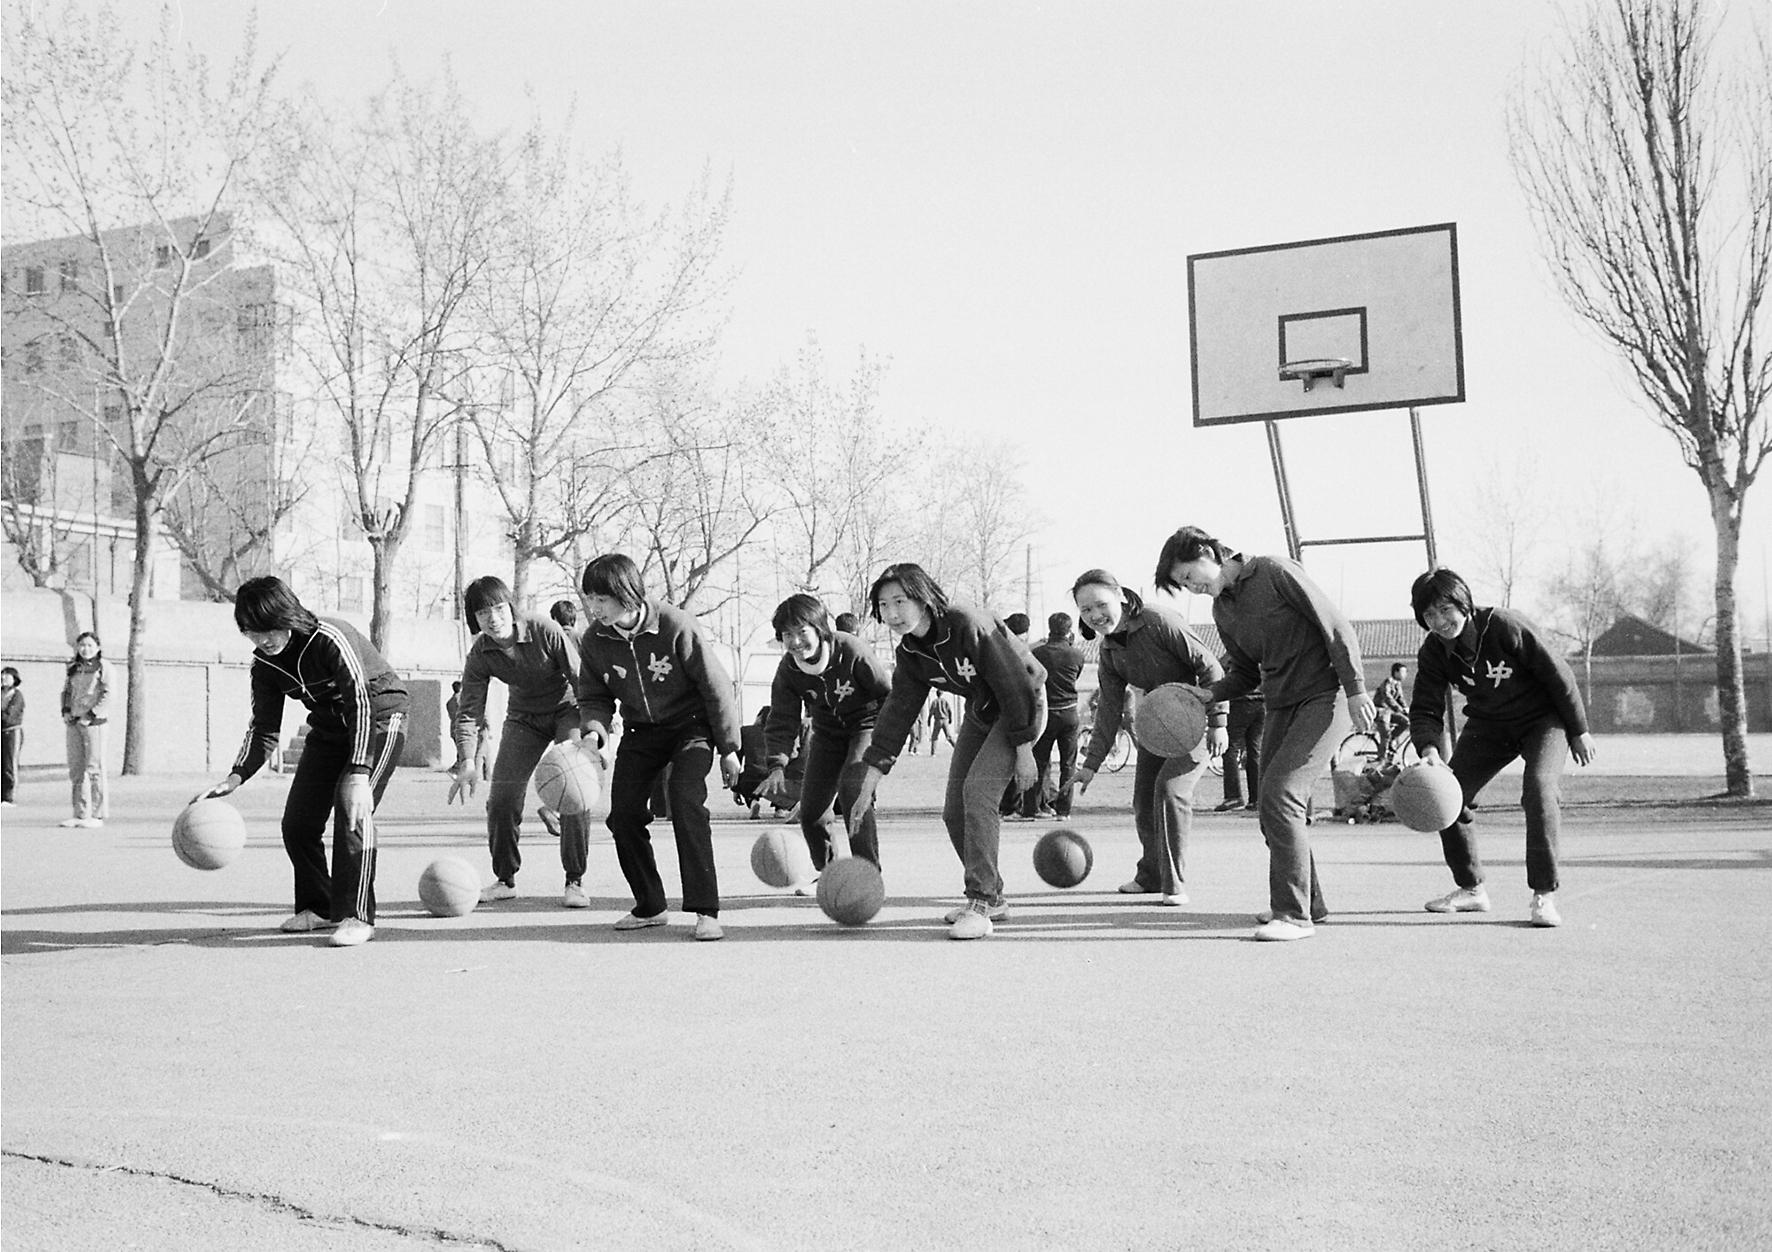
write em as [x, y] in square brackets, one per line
[839, 679]
[1144, 646]
[1521, 701]
[1281, 634]
[356, 728]
[951, 648]
[86, 708]
[12, 731]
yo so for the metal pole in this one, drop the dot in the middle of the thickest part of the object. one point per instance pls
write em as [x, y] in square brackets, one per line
[1427, 508]
[461, 524]
[1293, 548]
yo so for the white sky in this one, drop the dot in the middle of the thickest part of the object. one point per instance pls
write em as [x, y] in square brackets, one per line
[1000, 198]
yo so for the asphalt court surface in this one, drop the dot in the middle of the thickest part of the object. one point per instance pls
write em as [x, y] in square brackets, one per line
[1101, 1073]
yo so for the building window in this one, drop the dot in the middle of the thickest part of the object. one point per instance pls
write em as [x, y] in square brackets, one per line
[70, 350]
[117, 295]
[70, 275]
[200, 249]
[33, 280]
[350, 593]
[254, 324]
[436, 527]
[70, 436]
[34, 357]
[23, 481]
[163, 256]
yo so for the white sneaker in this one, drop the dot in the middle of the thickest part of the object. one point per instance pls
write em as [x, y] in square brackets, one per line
[1544, 909]
[1267, 915]
[90, 823]
[497, 891]
[974, 922]
[70, 823]
[1283, 930]
[1134, 888]
[351, 932]
[1175, 899]
[304, 921]
[628, 921]
[575, 897]
[997, 913]
[707, 929]
[1463, 900]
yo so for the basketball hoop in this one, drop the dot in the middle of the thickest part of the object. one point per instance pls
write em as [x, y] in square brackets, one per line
[1309, 372]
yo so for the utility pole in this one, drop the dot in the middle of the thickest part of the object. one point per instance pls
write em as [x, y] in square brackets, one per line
[460, 468]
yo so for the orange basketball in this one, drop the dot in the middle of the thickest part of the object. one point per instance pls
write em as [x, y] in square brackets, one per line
[1426, 797]
[1170, 720]
[567, 779]
[208, 834]
[449, 887]
[851, 891]
[779, 857]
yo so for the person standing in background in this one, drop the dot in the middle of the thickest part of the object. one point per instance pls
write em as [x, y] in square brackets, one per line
[1064, 662]
[1247, 716]
[86, 697]
[12, 731]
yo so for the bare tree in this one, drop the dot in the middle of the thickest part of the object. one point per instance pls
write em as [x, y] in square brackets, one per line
[1649, 179]
[586, 290]
[1508, 517]
[976, 533]
[385, 221]
[136, 152]
[1589, 597]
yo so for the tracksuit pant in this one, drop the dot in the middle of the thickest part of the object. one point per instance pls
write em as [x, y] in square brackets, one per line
[349, 889]
[1062, 727]
[520, 745]
[1484, 748]
[1163, 813]
[833, 773]
[645, 752]
[1296, 745]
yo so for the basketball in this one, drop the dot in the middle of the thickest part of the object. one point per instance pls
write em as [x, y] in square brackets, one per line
[779, 857]
[449, 887]
[1170, 720]
[1426, 797]
[851, 891]
[1063, 858]
[208, 834]
[566, 779]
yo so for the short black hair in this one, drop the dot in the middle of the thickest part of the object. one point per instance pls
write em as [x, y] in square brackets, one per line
[1395, 666]
[1017, 623]
[482, 594]
[916, 584]
[615, 575]
[1436, 585]
[18, 679]
[267, 603]
[848, 623]
[1058, 625]
[1190, 543]
[564, 611]
[801, 609]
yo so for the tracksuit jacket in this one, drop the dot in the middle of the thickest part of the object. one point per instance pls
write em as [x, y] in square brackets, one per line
[540, 668]
[973, 655]
[844, 698]
[1152, 646]
[664, 675]
[1281, 634]
[348, 687]
[1507, 675]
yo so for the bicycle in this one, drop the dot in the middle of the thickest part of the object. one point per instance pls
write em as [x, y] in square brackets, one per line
[1364, 746]
[1117, 755]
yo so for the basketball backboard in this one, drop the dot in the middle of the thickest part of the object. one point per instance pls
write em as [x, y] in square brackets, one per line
[1355, 322]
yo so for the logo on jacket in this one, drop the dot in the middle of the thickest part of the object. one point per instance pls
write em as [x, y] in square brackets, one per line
[620, 672]
[842, 691]
[966, 669]
[1498, 670]
[660, 667]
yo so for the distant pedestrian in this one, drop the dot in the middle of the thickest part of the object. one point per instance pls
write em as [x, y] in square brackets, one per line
[847, 623]
[86, 705]
[941, 718]
[1242, 754]
[1064, 663]
[12, 731]
[1521, 702]
[565, 615]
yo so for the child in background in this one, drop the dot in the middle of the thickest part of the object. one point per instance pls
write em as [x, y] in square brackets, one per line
[12, 731]
[1521, 701]
[86, 706]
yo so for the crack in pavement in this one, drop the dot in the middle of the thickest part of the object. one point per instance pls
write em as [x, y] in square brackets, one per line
[275, 1204]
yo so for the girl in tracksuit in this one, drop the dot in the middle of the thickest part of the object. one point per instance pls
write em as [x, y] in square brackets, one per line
[1280, 633]
[952, 648]
[837, 677]
[86, 708]
[1521, 701]
[1144, 646]
[538, 664]
[678, 708]
[357, 712]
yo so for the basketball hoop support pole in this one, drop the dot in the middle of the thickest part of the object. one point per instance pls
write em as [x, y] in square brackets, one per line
[1293, 548]
[1427, 508]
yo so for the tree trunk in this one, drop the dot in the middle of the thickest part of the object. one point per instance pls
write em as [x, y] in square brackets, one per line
[381, 609]
[135, 724]
[1731, 685]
